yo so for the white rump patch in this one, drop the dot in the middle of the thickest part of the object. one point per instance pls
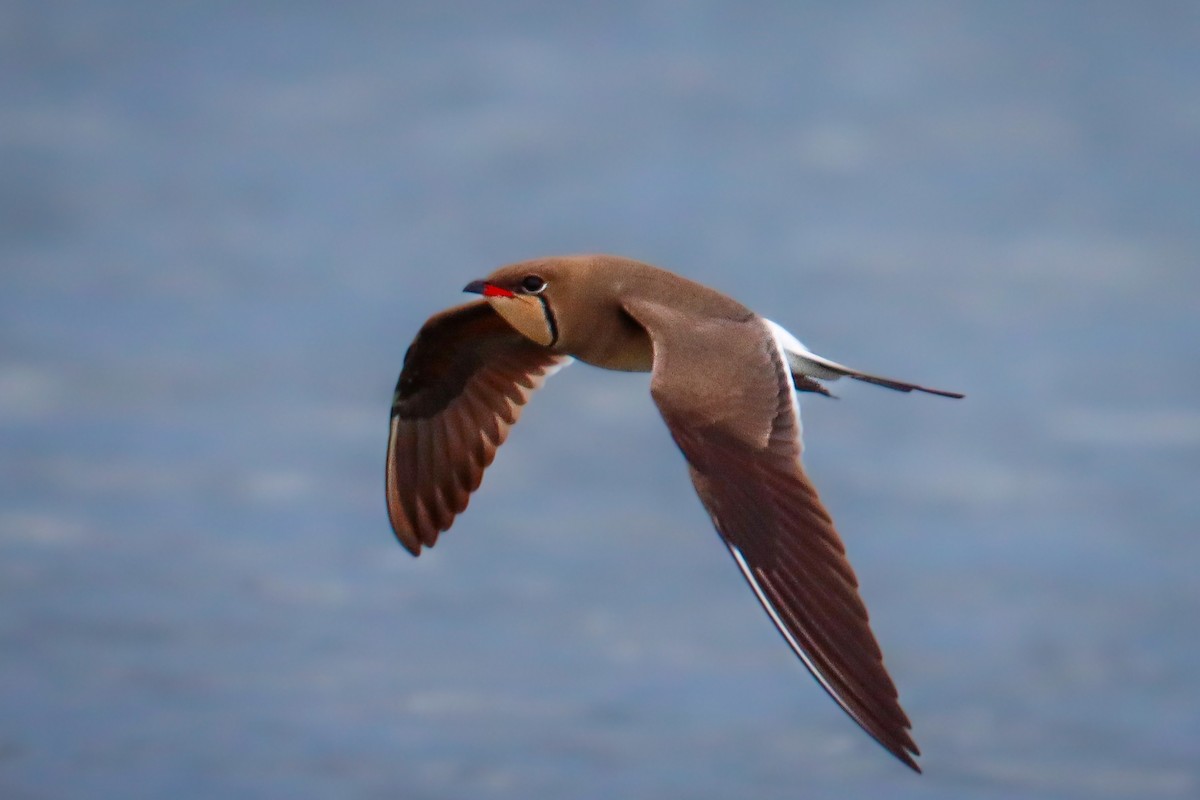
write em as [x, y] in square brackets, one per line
[803, 360]
[784, 344]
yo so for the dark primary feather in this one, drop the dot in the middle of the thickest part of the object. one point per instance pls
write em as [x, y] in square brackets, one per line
[792, 557]
[464, 382]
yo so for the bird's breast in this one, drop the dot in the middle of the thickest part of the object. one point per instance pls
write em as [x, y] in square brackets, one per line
[615, 342]
[622, 360]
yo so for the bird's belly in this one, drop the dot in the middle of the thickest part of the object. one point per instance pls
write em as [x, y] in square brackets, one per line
[610, 339]
[628, 353]
[621, 361]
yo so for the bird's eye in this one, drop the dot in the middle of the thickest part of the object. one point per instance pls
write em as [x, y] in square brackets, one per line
[533, 284]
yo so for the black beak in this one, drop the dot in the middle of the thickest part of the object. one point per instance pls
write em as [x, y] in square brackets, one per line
[475, 287]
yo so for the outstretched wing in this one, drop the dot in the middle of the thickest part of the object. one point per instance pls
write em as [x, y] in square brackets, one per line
[725, 391]
[465, 379]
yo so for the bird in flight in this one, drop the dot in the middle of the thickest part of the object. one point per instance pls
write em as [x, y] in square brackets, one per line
[725, 381]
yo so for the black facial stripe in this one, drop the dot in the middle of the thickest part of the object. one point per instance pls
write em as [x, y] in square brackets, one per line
[550, 320]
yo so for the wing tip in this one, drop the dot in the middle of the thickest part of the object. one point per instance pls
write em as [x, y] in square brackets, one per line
[898, 742]
[407, 539]
[407, 527]
[895, 737]
[907, 759]
[412, 548]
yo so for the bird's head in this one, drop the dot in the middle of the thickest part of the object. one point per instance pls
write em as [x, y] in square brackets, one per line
[528, 296]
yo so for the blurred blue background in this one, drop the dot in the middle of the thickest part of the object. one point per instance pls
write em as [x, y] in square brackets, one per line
[221, 224]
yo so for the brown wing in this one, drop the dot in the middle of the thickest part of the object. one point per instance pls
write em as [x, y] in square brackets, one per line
[465, 379]
[725, 392]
